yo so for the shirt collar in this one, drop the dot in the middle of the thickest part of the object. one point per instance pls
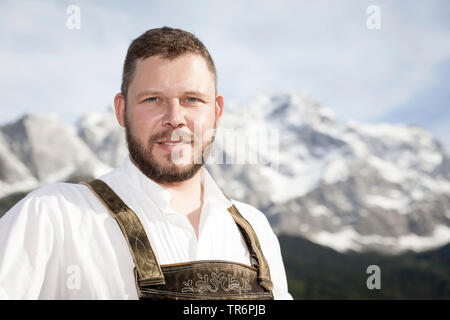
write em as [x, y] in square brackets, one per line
[161, 197]
[212, 192]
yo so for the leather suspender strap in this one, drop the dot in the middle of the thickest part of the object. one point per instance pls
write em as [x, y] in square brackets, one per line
[254, 247]
[147, 266]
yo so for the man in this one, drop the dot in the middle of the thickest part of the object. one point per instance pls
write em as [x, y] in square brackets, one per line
[158, 226]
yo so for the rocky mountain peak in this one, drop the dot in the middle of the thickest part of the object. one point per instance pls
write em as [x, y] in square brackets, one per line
[345, 185]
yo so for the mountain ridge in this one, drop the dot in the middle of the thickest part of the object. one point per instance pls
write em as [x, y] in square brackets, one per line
[350, 186]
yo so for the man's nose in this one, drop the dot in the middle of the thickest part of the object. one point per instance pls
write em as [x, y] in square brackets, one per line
[174, 116]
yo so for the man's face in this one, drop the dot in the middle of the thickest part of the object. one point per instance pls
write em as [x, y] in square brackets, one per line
[170, 113]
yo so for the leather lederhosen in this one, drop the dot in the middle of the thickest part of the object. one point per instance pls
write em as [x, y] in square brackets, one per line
[204, 279]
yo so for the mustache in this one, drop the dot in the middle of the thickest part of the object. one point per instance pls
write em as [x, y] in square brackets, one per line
[173, 135]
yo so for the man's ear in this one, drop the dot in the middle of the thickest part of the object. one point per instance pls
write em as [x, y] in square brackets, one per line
[219, 108]
[119, 106]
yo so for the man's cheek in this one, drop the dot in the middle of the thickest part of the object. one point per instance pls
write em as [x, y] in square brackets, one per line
[209, 134]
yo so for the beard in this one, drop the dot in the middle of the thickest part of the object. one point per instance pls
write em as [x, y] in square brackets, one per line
[165, 170]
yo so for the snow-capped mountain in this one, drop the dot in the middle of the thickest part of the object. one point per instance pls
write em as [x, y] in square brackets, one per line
[14, 175]
[345, 185]
[42, 149]
[103, 135]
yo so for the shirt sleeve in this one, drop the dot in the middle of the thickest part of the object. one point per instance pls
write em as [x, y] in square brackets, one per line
[26, 242]
[270, 247]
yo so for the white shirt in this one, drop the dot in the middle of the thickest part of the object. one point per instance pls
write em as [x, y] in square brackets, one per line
[60, 242]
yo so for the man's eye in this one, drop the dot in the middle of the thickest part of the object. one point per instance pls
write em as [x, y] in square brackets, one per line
[191, 99]
[152, 99]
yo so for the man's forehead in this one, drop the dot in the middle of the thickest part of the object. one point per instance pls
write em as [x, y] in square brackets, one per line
[187, 73]
[186, 61]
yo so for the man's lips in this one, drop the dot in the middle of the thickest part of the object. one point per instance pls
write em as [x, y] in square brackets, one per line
[173, 143]
[180, 140]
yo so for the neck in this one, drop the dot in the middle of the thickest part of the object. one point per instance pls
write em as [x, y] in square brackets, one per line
[189, 192]
[186, 198]
[179, 187]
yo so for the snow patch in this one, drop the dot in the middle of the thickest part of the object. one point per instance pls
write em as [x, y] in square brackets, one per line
[399, 204]
[320, 210]
[387, 170]
[348, 239]
[336, 171]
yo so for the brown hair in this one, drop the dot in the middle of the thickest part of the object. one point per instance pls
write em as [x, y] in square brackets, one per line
[167, 42]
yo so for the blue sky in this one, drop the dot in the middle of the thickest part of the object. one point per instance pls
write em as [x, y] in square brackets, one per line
[400, 73]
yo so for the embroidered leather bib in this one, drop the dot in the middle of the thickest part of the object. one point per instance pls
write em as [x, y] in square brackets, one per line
[205, 279]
